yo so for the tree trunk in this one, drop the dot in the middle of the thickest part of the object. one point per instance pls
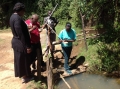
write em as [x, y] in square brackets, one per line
[84, 33]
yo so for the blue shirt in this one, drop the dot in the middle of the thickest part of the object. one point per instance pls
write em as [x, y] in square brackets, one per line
[68, 35]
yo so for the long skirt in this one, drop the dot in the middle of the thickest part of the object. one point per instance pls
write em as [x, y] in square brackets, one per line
[21, 64]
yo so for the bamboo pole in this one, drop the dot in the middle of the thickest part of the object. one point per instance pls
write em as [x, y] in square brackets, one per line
[65, 82]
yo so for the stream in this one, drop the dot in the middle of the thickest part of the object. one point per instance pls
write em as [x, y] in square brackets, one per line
[90, 81]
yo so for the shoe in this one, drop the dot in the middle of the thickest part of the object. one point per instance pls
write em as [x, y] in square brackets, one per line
[67, 73]
[26, 80]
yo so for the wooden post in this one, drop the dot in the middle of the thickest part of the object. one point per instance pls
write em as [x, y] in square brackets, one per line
[49, 64]
[84, 33]
[49, 73]
[39, 58]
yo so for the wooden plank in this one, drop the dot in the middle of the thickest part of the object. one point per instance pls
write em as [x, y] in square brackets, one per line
[65, 82]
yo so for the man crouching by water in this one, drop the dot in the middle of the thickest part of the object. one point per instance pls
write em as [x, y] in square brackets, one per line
[33, 27]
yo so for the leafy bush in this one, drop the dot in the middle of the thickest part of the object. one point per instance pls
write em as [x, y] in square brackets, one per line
[109, 54]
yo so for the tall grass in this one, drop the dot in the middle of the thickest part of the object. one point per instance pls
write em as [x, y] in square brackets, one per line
[91, 57]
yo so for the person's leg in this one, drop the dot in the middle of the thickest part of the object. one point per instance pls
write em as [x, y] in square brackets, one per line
[69, 49]
[66, 66]
[28, 64]
[17, 64]
[33, 55]
[21, 66]
[67, 52]
[41, 57]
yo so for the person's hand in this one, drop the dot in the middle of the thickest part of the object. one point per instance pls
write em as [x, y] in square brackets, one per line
[29, 27]
[34, 27]
[65, 40]
[60, 41]
[29, 50]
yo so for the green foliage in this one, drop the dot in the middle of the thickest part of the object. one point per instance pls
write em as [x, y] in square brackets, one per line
[91, 57]
[36, 85]
[102, 56]
[67, 10]
[110, 56]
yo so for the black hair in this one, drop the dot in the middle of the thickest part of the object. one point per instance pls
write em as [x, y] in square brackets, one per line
[68, 24]
[19, 7]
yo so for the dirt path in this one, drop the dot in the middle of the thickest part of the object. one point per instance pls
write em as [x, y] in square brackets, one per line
[7, 79]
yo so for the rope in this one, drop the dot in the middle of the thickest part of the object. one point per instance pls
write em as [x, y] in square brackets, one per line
[53, 31]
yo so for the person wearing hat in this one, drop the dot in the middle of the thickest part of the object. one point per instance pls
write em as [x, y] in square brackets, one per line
[21, 44]
[67, 36]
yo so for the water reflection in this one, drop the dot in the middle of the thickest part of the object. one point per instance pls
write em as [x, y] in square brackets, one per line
[89, 81]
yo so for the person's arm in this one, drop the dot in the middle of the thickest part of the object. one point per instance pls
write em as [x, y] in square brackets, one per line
[61, 37]
[69, 40]
[44, 26]
[27, 38]
[73, 39]
[32, 28]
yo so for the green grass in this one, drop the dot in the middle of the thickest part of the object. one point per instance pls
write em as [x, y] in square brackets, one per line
[36, 85]
[91, 56]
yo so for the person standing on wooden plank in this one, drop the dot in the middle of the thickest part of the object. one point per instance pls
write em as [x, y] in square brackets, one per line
[20, 43]
[67, 37]
[34, 26]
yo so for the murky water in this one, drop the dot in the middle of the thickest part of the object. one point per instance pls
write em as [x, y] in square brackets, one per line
[89, 81]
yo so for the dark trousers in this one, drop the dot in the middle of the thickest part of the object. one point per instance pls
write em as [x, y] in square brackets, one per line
[36, 46]
[67, 53]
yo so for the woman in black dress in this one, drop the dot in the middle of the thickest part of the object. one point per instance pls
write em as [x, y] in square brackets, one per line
[20, 43]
